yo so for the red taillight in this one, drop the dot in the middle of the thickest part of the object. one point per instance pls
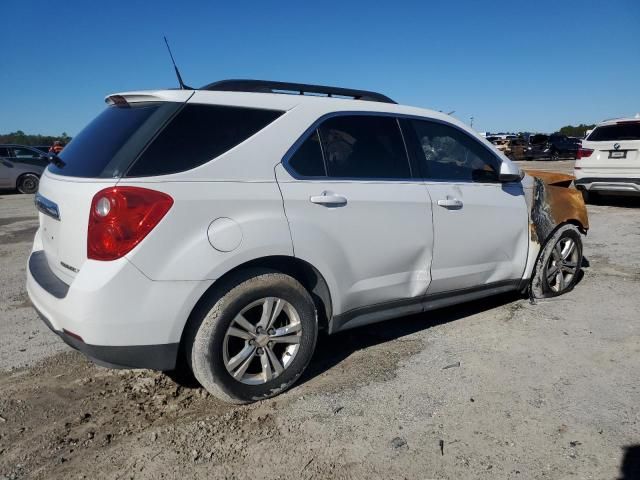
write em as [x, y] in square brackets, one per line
[583, 153]
[121, 217]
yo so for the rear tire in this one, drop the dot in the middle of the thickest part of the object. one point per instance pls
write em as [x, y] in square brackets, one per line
[559, 263]
[253, 339]
[28, 183]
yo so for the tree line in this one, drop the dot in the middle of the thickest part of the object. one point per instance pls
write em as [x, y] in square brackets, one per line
[22, 138]
[576, 131]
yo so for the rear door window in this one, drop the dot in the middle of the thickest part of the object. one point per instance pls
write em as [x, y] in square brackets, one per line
[21, 152]
[307, 161]
[617, 132]
[198, 134]
[108, 145]
[364, 147]
[28, 156]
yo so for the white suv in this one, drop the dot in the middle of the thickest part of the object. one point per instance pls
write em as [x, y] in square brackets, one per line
[222, 228]
[609, 160]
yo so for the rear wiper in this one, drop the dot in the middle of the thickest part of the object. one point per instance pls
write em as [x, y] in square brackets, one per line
[55, 159]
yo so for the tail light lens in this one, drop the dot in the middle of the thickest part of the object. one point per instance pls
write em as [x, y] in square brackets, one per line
[583, 153]
[121, 217]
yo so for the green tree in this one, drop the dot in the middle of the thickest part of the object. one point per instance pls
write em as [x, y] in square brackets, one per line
[575, 131]
[21, 138]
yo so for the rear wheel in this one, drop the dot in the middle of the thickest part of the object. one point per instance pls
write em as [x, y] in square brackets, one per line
[28, 183]
[559, 263]
[254, 340]
[555, 156]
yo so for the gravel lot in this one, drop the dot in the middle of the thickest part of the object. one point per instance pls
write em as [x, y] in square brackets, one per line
[498, 388]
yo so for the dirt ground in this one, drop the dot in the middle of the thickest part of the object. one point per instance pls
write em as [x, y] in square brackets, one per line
[498, 388]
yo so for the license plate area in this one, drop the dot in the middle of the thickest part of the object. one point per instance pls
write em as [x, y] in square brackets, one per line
[617, 154]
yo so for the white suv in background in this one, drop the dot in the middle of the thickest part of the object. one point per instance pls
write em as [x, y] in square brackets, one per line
[609, 160]
[222, 228]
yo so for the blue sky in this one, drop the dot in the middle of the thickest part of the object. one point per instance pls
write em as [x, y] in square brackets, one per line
[512, 65]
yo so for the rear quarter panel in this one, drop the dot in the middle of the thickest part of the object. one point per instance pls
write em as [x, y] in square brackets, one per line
[179, 247]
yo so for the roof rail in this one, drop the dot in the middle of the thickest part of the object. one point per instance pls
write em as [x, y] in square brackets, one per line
[266, 86]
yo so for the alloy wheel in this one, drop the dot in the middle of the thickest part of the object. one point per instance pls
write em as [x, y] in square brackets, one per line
[562, 265]
[262, 341]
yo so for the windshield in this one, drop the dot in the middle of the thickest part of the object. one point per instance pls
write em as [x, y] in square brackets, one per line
[111, 142]
[619, 131]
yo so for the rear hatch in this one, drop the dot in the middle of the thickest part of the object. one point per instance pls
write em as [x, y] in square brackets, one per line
[95, 159]
[616, 150]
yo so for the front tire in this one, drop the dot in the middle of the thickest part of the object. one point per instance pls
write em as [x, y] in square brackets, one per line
[254, 339]
[28, 183]
[559, 263]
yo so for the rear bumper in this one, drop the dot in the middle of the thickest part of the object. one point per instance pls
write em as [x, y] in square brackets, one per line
[609, 185]
[154, 357]
[112, 313]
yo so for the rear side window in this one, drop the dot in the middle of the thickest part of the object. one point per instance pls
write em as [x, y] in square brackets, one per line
[450, 154]
[362, 146]
[307, 160]
[197, 134]
[108, 145]
[4, 152]
[619, 131]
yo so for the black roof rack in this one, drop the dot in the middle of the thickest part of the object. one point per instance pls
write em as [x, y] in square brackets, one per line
[266, 86]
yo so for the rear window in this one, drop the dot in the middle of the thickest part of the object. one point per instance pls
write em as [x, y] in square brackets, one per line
[199, 133]
[124, 140]
[362, 146]
[108, 145]
[619, 131]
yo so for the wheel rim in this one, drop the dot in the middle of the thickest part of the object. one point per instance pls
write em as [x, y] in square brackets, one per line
[563, 265]
[262, 341]
[29, 184]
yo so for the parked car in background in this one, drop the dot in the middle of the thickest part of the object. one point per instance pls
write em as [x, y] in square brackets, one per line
[501, 144]
[552, 147]
[517, 149]
[561, 146]
[243, 220]
[43, 148]
[21, 167]
[609, 159]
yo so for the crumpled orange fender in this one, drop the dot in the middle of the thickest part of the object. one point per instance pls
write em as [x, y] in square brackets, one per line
[555, 203]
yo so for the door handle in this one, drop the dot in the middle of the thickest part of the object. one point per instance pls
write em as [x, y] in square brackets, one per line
[450, 203]
[329, 199]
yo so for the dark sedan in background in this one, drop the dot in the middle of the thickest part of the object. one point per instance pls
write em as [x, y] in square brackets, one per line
[552, 147]
[21, 167]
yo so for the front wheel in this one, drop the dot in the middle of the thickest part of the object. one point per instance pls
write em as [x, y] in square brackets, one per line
[558, 264]
[253, 340]
[28, 183]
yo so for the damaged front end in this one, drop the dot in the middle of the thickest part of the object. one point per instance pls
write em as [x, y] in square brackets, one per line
[553, 201]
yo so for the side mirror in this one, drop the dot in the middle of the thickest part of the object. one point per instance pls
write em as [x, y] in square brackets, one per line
[510, 172]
